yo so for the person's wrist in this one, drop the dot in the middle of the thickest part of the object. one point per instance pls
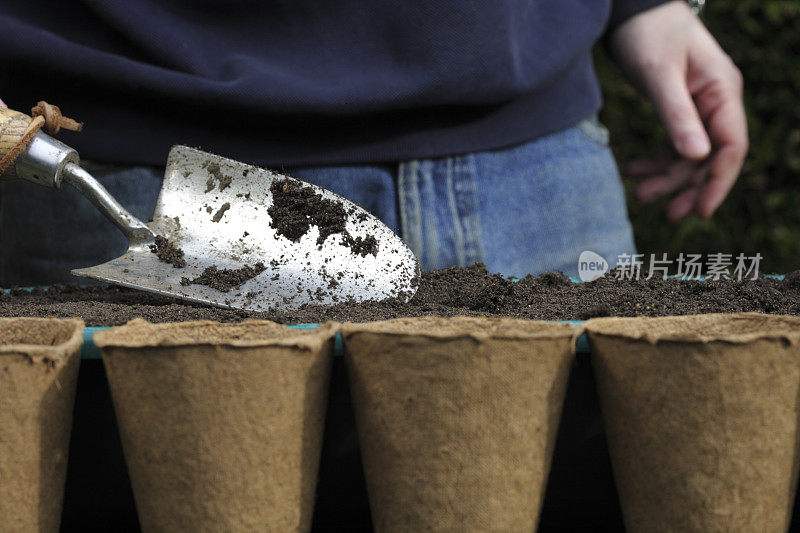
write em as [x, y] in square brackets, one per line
[627, 41]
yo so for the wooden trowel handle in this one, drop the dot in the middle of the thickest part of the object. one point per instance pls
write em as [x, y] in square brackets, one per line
[13, 127]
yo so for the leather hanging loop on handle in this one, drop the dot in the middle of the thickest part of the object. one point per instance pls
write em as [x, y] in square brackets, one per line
[17, 129]
[53, 119]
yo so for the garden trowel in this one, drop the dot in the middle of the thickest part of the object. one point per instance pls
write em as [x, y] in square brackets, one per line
[218, 235]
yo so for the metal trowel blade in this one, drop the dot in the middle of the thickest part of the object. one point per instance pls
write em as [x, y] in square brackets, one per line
[225, 224]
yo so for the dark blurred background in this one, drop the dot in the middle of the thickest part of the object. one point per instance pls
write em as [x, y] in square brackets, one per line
[762, 213]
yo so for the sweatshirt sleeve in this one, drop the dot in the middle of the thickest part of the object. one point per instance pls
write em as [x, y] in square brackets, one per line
[622, 10]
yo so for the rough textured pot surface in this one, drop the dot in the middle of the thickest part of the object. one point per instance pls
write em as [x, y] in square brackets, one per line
[457, 418]
[221, 424]
[39, 360]
[701, 415]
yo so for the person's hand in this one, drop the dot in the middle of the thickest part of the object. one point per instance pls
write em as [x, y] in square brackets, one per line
[697, 91]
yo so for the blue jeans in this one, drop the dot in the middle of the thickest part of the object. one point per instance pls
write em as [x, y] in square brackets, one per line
[526, 209]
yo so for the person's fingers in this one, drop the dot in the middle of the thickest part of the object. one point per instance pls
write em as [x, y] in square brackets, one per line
[724, 171]
[683, 204]
[728, 127]
[656, 187]
[675, 106]
[3, 104]
[659, 164]
[678, 175]
[642, 168]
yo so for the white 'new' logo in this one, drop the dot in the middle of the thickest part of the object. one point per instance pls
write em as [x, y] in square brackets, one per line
[591, 265]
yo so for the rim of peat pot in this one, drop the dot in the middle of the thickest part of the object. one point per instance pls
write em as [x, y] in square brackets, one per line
[90, 350]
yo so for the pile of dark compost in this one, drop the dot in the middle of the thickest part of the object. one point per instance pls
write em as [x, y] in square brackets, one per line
[471, 291]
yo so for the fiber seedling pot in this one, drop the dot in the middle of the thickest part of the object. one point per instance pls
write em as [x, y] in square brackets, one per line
[701, 416]
[39, 360]
[457, 418]
[221, 424]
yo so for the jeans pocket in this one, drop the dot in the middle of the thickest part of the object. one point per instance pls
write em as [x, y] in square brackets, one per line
[593, 129]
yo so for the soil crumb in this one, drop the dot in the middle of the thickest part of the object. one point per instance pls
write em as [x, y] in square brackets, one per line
[167, 252]
[295, 208]
[218, 215]
[225, 279]
[471, 291]
[223, 179]
[361, 246]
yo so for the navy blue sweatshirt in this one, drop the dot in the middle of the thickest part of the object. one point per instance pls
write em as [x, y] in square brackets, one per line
[300, 82]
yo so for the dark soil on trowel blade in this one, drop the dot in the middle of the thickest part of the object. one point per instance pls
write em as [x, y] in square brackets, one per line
[359, 246]
[223, 179]
[452, 291]
[296, 207]
[224, 279]
[167, 252]
[221, 212]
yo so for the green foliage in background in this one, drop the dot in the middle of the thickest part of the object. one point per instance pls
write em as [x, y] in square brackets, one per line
[762, 214]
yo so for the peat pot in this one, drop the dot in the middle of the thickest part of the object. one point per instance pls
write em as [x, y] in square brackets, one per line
[457, 418]
[39, 360]
[221, 424]
[701, 416]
